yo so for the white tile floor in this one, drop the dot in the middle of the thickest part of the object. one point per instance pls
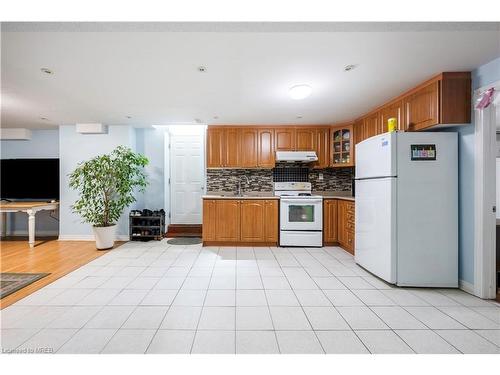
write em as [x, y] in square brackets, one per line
[156, 298]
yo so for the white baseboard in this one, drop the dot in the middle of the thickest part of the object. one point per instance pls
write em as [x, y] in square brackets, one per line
[88, 237]
[466, 286]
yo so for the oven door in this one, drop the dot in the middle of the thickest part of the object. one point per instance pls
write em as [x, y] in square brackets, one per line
[301, 214]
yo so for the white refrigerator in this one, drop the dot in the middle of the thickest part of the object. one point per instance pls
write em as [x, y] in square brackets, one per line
[406, 212]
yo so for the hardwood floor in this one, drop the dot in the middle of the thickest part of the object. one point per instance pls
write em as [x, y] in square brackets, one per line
[49, 255]
[183, 230]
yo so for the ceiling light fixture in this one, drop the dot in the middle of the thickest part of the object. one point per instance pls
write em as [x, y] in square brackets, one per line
[299, 92]
[202, 69]
[46, 71]
[350, 67]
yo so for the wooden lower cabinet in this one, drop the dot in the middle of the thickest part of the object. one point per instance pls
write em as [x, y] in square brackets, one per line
[338, 223]
[271, 212]
[246, 221]
[346, 225]
[227, 220]
[209, 220]
[252, 220]
[330, 226]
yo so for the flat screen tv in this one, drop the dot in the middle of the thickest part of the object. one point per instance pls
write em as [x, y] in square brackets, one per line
[36, 179]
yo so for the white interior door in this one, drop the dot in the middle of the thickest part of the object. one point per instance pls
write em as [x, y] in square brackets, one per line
[187, 176]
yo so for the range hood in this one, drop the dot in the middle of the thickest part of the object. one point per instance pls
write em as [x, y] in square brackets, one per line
[296, 156]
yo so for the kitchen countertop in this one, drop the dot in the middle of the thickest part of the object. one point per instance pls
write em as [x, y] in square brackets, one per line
[249, 195]
[345, 195]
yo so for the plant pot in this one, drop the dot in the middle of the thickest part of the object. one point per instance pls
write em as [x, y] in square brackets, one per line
[104, 237]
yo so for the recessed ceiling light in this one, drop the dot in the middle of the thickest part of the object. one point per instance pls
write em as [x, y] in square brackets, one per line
[350, 67]
[298, 92]
[202, 69]
[46, 71]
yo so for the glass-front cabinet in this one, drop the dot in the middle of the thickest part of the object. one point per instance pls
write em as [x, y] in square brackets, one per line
[342, 146]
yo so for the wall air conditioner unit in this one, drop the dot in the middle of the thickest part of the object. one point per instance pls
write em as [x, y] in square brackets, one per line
[15, 134]
[94, 128]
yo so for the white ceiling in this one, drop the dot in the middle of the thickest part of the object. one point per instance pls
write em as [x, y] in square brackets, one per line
[105, 72]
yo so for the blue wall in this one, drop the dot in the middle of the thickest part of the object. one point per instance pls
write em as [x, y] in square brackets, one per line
[483, 75]
[486, 74]
[150, 143]
[43, 144]
[74, 148]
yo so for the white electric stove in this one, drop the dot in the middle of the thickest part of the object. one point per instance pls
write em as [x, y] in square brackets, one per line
[301, 214]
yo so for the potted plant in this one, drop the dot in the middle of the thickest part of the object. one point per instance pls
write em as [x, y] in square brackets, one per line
[106, 185]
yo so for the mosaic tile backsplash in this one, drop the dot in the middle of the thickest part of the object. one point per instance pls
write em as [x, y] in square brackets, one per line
[338, 179]
[227, 180]
[260, 180]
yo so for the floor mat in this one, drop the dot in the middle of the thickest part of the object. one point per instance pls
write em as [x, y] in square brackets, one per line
[184, 241]
[12, 282]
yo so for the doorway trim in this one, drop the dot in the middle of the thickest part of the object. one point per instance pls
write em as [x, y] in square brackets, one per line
[484, 194]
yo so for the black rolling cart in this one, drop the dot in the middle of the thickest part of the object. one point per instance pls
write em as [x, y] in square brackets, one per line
[146, 225]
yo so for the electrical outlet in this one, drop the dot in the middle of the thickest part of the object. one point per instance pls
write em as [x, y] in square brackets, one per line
[320, 176]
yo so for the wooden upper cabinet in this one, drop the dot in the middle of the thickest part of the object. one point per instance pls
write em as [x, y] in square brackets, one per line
[322, 147]
[371, 125]
[455, 98]
[253, 223]
[341, 146]
[215, 147]
[422, 107]
[232, 148]
[248, 154]
[359, 131]
[305, 139]
[444, 99]
[227, 220]
[393, 110]
[265, 148]
[284, 139]
[271, 220]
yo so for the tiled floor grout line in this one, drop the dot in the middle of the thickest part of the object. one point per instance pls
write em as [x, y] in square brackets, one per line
[267, 300]
[129, 315]
[301, 262]
[390, 328]
[300, 304]
[121, 290]
[203, 304]
[72, 306]
[337, 310]
[429, 305]
[173, 299]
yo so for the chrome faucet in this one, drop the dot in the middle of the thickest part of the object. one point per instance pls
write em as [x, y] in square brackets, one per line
[239, 184]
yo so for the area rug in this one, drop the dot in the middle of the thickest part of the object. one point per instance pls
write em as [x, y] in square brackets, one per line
[184, 241]
[12, 282]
